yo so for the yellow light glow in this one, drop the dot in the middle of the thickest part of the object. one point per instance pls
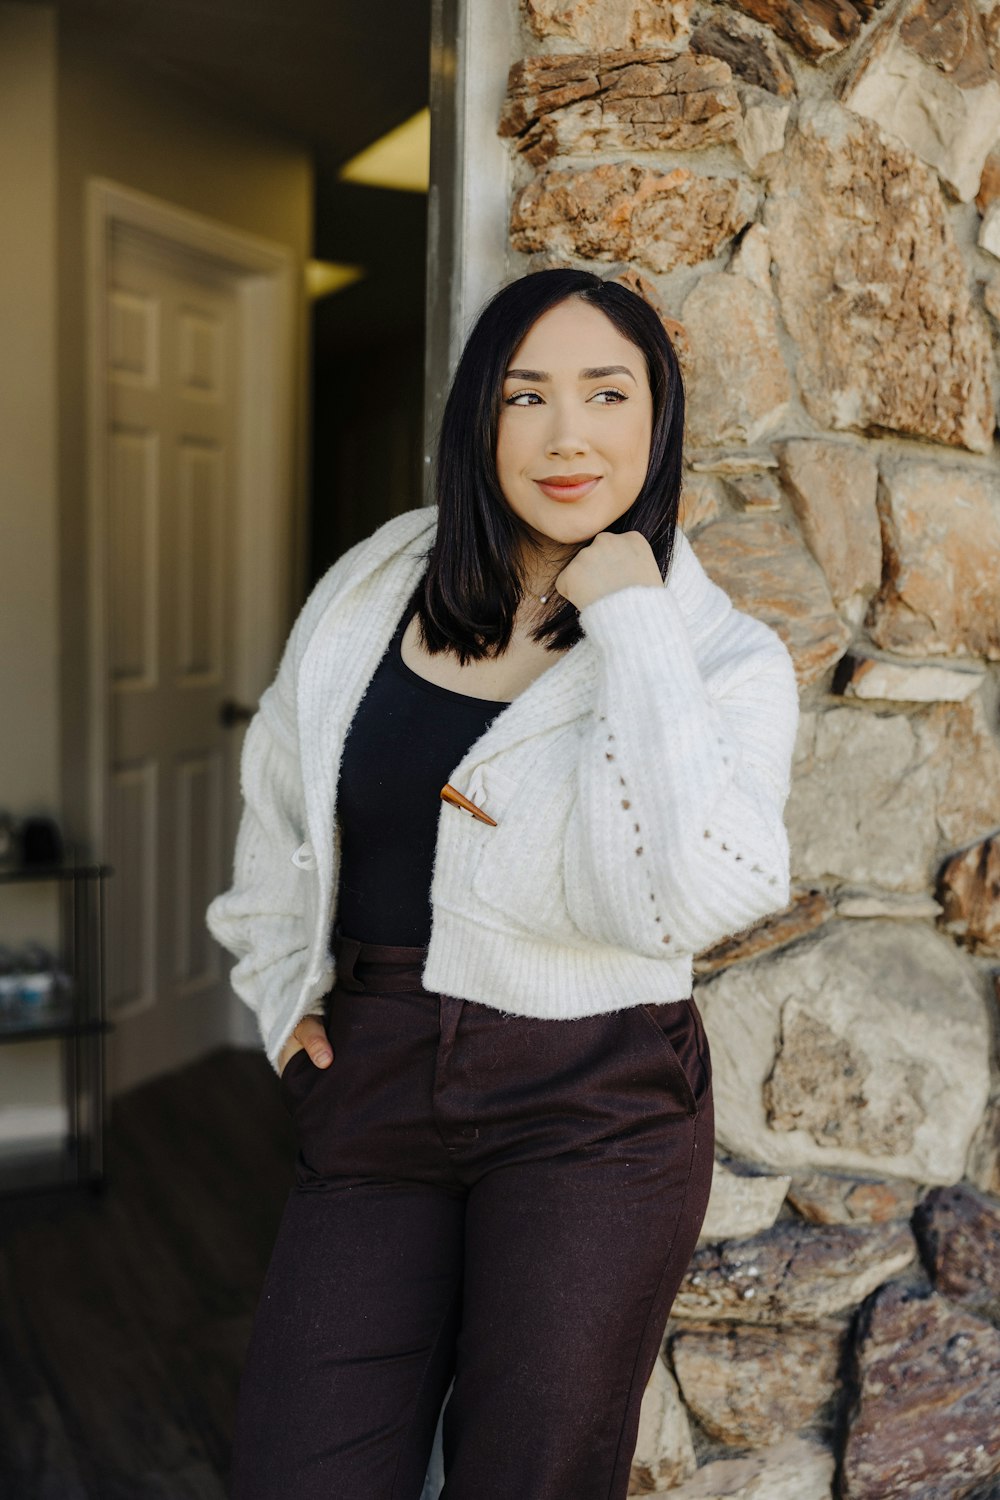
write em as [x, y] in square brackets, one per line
[326, 276]
[400, 159]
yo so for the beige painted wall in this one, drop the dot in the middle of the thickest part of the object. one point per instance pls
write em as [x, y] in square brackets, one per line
[137, 132]
[70, 113]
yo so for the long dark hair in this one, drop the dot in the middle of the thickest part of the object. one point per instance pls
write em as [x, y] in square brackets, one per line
[473, 585]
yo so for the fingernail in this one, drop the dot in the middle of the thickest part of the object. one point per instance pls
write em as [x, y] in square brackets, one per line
[323, 1058]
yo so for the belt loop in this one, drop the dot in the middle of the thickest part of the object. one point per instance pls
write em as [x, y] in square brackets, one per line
[346, 950]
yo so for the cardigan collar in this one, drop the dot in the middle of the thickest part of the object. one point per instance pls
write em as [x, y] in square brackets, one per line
[352, 634]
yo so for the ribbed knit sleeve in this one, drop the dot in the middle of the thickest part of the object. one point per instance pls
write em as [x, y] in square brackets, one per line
[265, 918]
[677, 837]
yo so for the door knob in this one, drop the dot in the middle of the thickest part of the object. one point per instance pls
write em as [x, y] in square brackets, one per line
[231, 712]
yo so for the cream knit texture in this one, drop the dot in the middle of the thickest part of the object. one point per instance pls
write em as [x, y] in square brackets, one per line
[638, 787]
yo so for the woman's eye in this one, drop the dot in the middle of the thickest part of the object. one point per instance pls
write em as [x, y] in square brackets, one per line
[524, 398]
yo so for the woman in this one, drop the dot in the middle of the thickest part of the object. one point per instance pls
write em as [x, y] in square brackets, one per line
[521, 761]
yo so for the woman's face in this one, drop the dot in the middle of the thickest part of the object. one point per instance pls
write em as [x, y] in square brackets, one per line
[576, 407]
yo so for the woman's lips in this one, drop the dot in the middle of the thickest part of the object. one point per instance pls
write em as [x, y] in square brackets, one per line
[567, 491]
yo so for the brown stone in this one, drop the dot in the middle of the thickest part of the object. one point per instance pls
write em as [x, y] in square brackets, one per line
[815, 28]
[873, 287]
[830, 1198]
[626, 99]
[619, 210]
[754, 58]
[792, 1273]
[751, 1386]
[809, 910]
[983, 1165]
[923, 1421]
[958, 1231]
[941, 540]
[832, 488]
[989, 180]
[767, 572]
[610, 23]
[948, 35]
[969, 888]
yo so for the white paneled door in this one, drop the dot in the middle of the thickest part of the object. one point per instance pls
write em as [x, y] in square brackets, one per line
[171, 466]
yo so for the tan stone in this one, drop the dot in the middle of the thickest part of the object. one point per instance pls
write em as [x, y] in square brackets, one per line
[762, 131]
[829, 1198]
[753, 57]
[941, 537]
[750, 1386]
[991, 295]
[627, 99]
[870, 677]
[983, 1163]
[700, 502]
[902, 906]
[620, 210]
[794, 1469]
[925, 77]
[874, 795]
[895, 1002]
[738, 385]
[736, 461]
[989, 231]
[832, 488]
[755, 494]
[768, 573]
[751, 257]
[741, 1203]
[807, 911]
[815, 28]
[923, 1419]
[969, 884]
[873, 287]
[611, 23]
[792, 1273]
[664, 1452]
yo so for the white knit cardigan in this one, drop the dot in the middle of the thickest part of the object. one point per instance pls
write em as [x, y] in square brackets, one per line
[638, 787]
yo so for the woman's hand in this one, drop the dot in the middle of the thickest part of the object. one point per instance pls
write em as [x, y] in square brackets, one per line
[613, 560]
[310, 1034]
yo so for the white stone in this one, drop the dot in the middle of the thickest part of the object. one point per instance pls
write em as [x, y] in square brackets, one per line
[902, 683]
[752, 259]
[664, 1450]
[989, 230]
[795, 1469]
[952, 129]
[762, 130]
[899, 1000]
[741, 1204]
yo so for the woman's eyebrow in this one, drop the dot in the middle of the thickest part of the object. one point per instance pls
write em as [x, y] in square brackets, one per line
[596, 372]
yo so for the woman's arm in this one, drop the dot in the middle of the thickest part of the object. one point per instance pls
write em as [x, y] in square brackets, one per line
[677, 837]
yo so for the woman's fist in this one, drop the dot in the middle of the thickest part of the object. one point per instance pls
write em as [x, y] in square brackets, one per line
[309, 1034]
[613, 560]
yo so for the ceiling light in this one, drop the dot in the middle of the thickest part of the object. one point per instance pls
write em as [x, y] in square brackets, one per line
[326, 276]
[400, 159]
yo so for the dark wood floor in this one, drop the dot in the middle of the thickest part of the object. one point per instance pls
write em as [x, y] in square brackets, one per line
[124, 1316]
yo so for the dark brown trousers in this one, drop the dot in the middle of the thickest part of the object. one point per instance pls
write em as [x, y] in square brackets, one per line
[481, 1197]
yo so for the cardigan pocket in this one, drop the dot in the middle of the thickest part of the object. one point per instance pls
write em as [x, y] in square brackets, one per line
[519, 870]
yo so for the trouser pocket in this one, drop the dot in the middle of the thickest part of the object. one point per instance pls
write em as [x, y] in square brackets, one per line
[679, 1029]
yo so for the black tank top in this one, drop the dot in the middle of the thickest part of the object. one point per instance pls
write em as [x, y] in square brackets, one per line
[405, 739]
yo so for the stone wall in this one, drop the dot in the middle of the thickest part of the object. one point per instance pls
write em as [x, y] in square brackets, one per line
[809, 194]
